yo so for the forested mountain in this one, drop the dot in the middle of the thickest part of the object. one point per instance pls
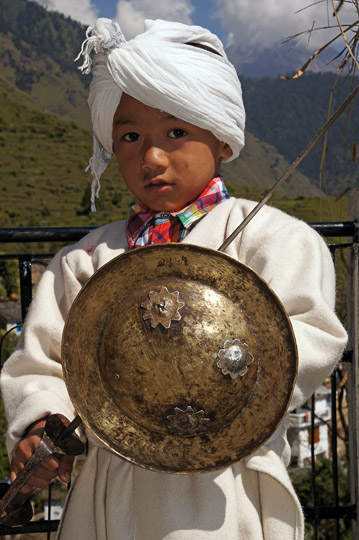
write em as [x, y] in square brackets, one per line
[46, 32]
[37, 50]
[288, 113]
[281, 59]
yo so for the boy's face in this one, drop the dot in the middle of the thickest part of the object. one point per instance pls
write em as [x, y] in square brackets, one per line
[165, 162]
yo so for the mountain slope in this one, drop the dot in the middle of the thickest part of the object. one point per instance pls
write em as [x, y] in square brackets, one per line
[288, 114]
[43, 160]
[260, 165]
[279, 60]
[43, 180]
[37, 50]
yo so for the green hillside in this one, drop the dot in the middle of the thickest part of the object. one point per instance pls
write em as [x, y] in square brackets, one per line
[43, 160]
[260, 165]
[37, 51]
[45, 146]
[288, 114]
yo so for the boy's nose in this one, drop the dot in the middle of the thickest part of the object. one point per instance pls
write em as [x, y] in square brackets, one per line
[154, 158]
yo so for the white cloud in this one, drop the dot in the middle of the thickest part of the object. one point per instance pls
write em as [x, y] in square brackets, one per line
[132, 13]
[262, 23]
[82, 11]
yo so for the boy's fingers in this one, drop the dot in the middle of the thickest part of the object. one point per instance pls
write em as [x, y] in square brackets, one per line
[41, 477]
[21, 456]
[24, 450]
[50, 463]
[65, 469]
[26, 489]
[49, 469]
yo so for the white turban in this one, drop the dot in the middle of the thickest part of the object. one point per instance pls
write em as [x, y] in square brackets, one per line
[162, 70]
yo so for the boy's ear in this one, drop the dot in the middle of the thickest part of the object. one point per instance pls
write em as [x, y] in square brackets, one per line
[226, 151]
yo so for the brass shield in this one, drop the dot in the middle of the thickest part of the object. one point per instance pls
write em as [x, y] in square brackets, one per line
[179, 358]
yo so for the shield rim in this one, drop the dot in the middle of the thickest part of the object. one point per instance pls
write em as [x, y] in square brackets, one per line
[90, 416]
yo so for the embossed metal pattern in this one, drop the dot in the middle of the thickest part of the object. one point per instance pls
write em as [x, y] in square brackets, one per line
[162, 307]
[234, 358]
[188, 422]
[127, 378]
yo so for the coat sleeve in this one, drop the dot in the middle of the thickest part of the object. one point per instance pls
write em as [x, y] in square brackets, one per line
[31, 381]
[296, 263]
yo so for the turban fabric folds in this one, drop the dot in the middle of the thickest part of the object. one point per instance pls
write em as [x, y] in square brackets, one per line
[161, 68]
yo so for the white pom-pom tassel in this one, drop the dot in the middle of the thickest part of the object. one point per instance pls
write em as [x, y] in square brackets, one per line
[106, 35]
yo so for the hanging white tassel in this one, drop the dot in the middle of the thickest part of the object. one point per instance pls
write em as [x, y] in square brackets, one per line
[98, 163]
[103, 37]
[87, 46]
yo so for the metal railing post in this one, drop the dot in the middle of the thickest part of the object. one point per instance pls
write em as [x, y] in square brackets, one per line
[25, 264]
[353, 369]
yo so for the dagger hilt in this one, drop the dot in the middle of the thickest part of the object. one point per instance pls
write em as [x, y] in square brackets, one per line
[57, 440]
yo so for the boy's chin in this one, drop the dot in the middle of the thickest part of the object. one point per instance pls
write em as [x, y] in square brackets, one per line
[165, 206]
[169, 206]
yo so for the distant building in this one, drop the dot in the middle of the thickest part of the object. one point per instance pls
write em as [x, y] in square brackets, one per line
[56, 511]
[10, 315]
[300, 429]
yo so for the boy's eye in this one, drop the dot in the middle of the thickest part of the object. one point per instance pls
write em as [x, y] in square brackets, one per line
[131, 137]
[177, 133]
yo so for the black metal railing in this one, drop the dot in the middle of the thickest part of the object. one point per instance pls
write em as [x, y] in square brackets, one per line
[348, 230]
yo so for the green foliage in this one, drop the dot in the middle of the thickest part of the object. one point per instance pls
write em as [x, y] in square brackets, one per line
[38, 58]
[86, 203]
[302, 482]
[4, 461]
[8, 345]
[117, 198]
[45, 212]
[49, 157]
[9, 277]
[260, 165]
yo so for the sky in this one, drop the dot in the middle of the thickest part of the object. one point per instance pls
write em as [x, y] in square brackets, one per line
[242, 23]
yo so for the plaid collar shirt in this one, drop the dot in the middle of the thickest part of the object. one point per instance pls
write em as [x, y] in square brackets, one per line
[146, 226]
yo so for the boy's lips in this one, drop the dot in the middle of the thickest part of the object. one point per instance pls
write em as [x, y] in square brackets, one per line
[158, 186]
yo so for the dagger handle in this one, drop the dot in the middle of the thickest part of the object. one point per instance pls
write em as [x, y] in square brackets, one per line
[45, 448]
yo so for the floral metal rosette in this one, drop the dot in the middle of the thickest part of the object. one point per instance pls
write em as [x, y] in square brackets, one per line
[235, 358]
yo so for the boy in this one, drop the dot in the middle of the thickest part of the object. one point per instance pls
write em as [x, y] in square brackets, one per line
[169, 105]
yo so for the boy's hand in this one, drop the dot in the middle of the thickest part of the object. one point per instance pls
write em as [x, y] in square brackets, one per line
[49, 469]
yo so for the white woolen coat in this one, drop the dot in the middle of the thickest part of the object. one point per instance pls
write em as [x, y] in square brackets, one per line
[115, 500]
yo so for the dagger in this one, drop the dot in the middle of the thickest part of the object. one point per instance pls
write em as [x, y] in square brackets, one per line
[57, 440]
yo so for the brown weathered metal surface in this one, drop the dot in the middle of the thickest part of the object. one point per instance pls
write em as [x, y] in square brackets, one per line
[179, 358]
